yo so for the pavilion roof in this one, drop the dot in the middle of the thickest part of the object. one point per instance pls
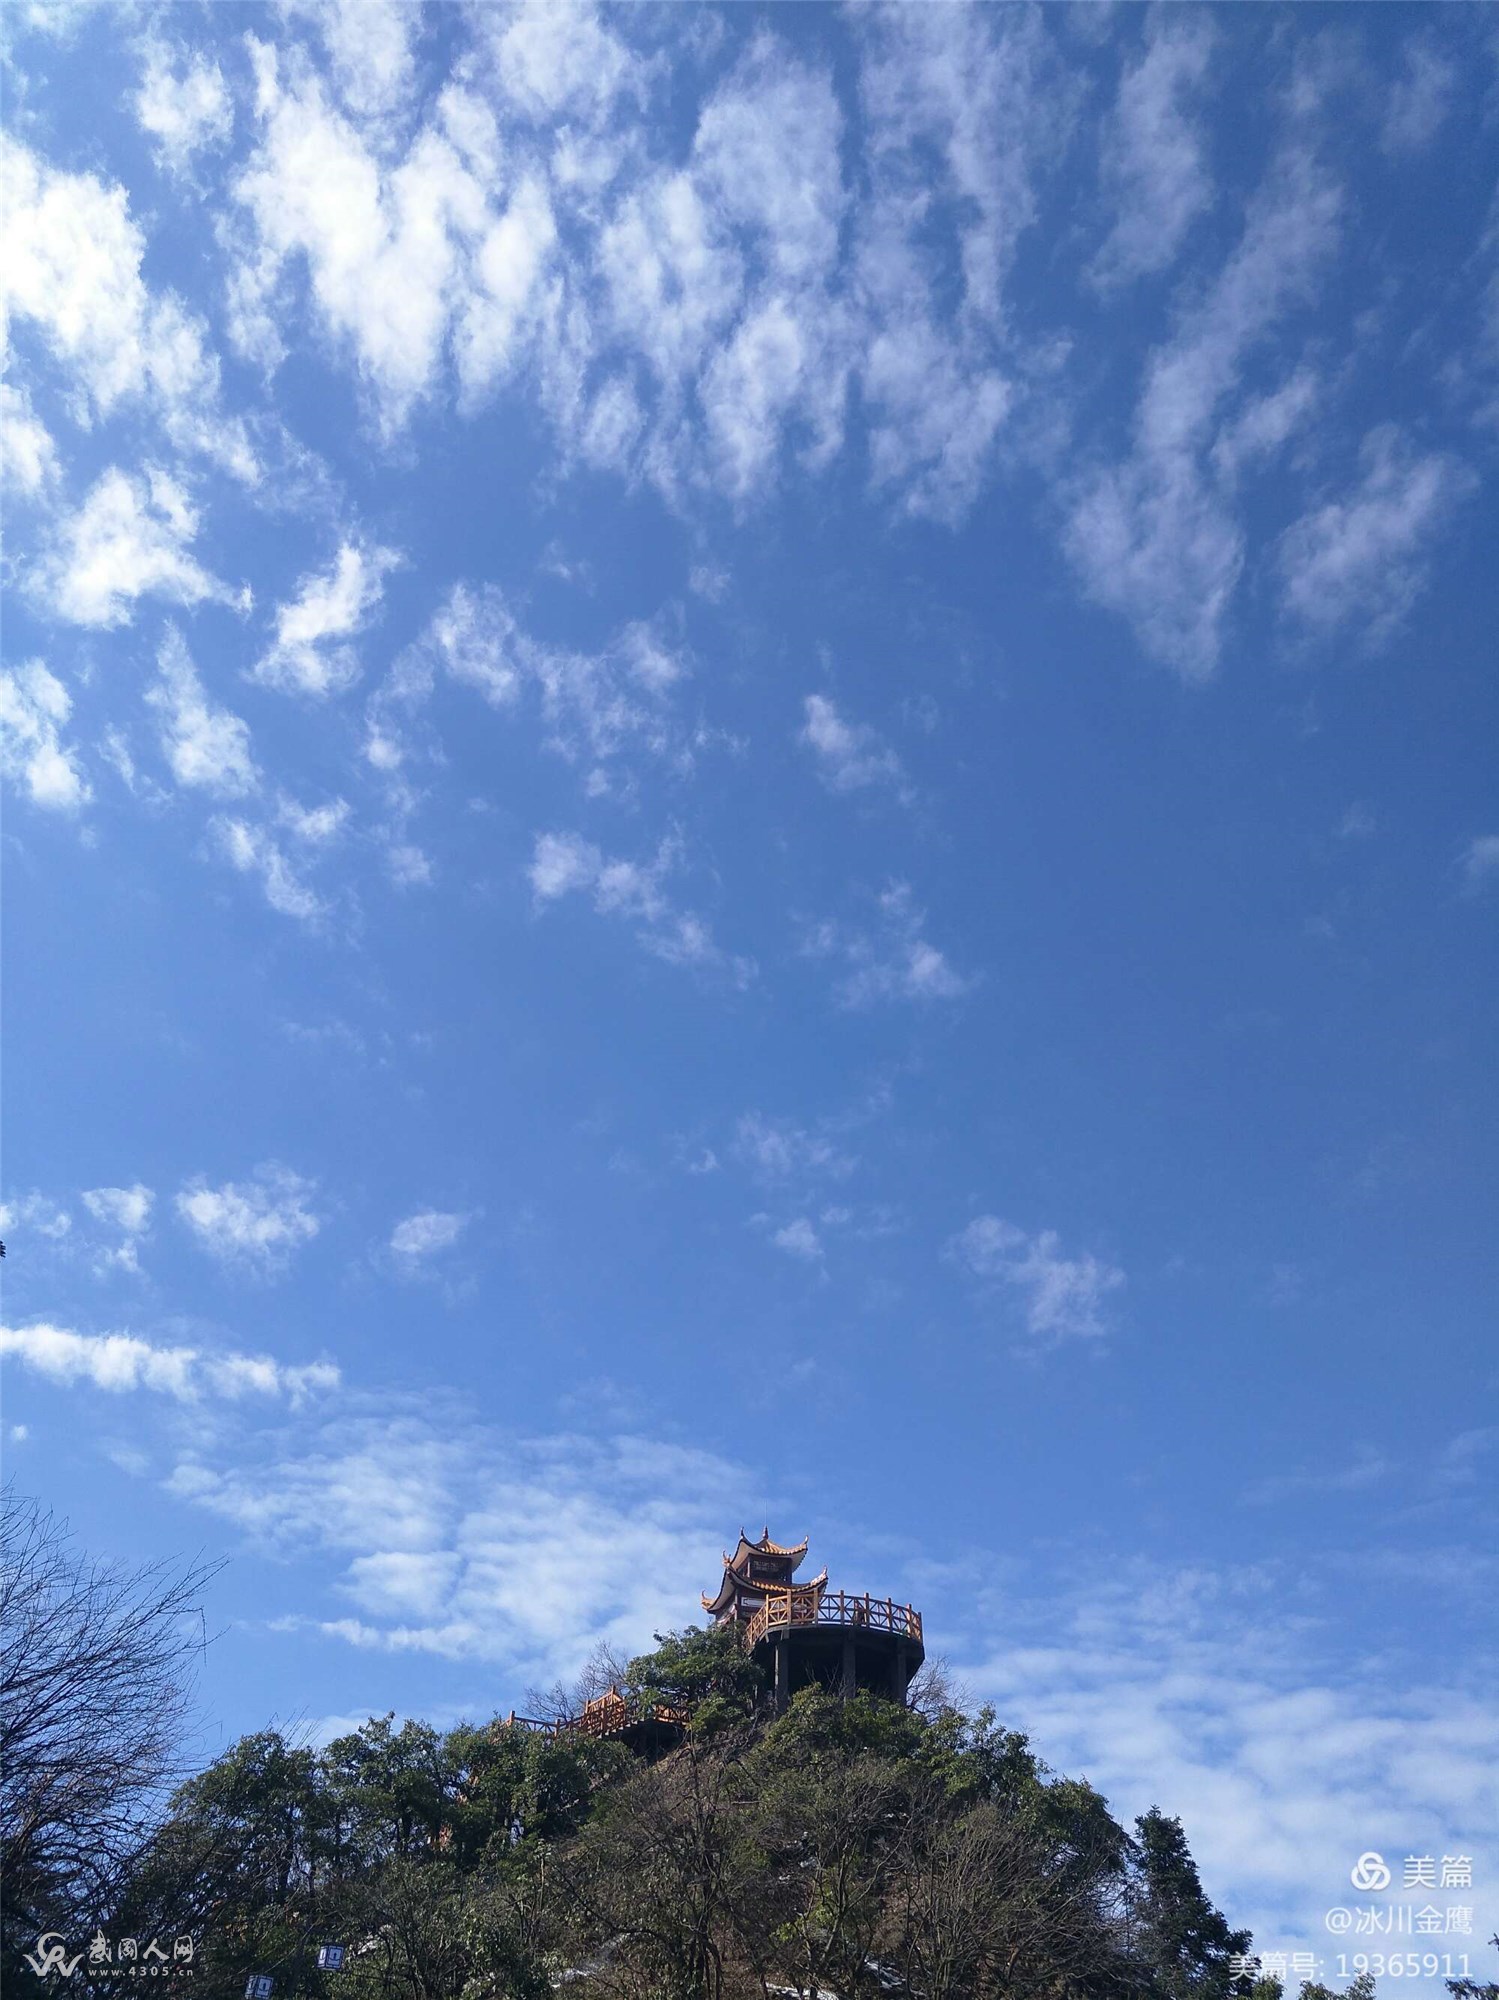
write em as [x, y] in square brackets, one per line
[764, 1547]
[733, 1583]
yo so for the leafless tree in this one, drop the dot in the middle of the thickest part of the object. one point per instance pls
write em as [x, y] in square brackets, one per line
[604, 1668]
[935, 1690]
[96, 1671]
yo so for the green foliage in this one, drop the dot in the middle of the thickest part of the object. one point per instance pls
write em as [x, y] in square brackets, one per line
[707, 1672]
[1186, 1940]
[852, 1848]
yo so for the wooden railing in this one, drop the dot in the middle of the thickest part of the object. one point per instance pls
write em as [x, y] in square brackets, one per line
[607, 1716]
[787, 1609]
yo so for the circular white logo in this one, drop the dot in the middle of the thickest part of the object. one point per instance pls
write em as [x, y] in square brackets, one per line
[1370, 1872]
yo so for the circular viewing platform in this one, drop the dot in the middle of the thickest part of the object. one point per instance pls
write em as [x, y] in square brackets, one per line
[793, 1608]
[809, 1636]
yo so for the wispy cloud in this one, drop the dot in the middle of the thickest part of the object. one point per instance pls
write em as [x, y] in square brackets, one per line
[312, 654]
[1419, 99]
[126, 1211]
[1153, 160]
[1366, 1468]
[565, 864]
[130, 539]
[73, 254]
[849, 755]
[206, 746]
[895, 961]
[464, 1543]
[594, 706]
[183, 105]
[779, 1149]
[1364, 559]
[120, 1363]
[799, 1238]
[1155, 536]
[256, 1223]
[1224, 1690]
[1061, 1298]
[1480, 862]
[34, 707]
[425, 1233]
[252, 849]
[28, 455]
[36, 1211]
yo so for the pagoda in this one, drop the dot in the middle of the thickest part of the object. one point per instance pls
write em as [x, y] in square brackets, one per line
[806, 1635]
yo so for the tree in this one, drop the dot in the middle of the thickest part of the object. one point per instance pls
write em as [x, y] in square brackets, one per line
[96, 1672]
[1185, 1940]
[707, 1672]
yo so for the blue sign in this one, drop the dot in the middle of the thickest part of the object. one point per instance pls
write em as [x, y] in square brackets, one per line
[330, 1957]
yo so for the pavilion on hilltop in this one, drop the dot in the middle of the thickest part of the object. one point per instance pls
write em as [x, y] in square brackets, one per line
[802, 1633]
[807, 1635]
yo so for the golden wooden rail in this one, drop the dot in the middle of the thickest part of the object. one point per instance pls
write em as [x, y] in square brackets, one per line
[794, 1607]
[604, 1717]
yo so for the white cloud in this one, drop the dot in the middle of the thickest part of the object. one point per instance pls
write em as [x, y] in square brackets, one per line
[383, 249]
[1063, 1298]
[1222, 1695]
[34, 705]
[128, 540]
[549, 62]
[369, 42]
[28, 457]
[593, 707]
[72, 257]
[207, 747]
[1155, 537]
[1480, 861]
[257, 1223]
[119, 1363]
[408, 866]
[507, 299]
[1153, 161]
[1365, 1468]
[254, 850]
[426, 1232]
[565, 863]
[38, 1212]
[184, 105]
[849, 755]
[1419, 100]
[128, 1212]
[128, 1209]
[691, 322]
[72, 263]
[1364, 559]
[965, 106]
[314, 826]
[799, 1239]
[310, 654]
[1267, 422]
[897, 962]
[461, 1543]
[777, 1149]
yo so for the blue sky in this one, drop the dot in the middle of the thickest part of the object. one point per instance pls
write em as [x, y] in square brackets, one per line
[750, 777]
